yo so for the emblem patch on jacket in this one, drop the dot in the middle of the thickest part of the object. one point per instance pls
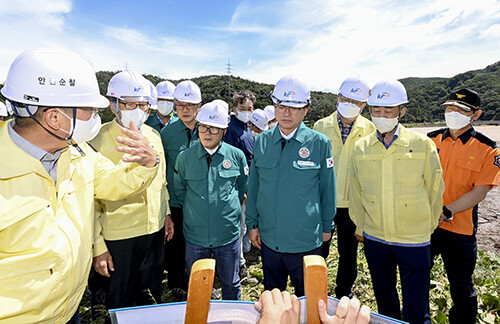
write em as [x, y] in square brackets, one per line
[226, 164]
[304, 152]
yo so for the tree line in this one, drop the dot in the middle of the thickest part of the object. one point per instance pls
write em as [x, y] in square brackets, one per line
[425, 94]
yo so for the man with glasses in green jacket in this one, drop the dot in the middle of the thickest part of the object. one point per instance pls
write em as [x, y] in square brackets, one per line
[291, 198]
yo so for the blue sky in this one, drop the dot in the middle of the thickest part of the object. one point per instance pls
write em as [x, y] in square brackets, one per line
[320, 41]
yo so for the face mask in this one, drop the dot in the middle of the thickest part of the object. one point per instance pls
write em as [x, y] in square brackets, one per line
[165, 107]
[137, 115]
[385, 125]
[254, 134]
[348, 110]
[272, 125]
[85, 130]
[455, 120]
[244, 116]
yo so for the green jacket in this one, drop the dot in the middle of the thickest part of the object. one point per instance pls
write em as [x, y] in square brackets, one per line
[291, 194]
[211, 194]
[175, 140]
[156, 124]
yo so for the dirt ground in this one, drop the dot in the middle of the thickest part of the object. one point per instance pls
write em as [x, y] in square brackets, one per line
[488, 233]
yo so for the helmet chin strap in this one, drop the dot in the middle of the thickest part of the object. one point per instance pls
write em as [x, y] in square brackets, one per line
[117, 111]
[66, 139]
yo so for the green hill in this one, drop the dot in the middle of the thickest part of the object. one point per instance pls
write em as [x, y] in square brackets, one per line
[426, 99]
[410, 83]
[425, 94]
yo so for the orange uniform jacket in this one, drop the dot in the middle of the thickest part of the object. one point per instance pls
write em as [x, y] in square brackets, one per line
[472, 160]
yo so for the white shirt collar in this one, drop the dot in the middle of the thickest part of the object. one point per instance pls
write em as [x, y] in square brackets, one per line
[287, 137]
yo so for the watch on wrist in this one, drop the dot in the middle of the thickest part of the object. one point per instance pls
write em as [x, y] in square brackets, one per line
[157, 160]
[447, 213]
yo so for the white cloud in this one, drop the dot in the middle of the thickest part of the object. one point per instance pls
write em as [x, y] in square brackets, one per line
[321, 41]
[491, 33]
[378, 39]
[46, 13]
[108, 48]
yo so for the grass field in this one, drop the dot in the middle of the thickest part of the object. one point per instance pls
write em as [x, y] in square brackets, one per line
[486, 279]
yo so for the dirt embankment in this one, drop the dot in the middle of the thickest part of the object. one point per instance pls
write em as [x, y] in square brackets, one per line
[488, 232]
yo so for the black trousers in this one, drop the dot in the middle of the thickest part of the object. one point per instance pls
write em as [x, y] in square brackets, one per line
[347, 246]
[278, 266]
[414, 264]
[175, 253]
[459, 254]
[139, 263]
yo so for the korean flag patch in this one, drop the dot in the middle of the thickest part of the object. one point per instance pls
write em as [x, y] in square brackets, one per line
[497, 161]
[329, 162]
[246, 170]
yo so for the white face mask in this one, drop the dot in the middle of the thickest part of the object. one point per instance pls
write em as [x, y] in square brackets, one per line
[137, 115]
[455, 120]
[272, 125]
[85, 130]
[244, 116]
[385, 125]
[165, 107]
[254, 134]
[348, 110]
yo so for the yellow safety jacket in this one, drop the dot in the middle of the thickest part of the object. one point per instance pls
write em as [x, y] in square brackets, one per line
[396, 194]
[46, 230]
[135, 215]
[342, 152]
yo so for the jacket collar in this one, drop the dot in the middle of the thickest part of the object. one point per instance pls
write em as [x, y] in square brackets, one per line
[16, 162]
[238, 122]
[402, 139]
[201, 152]
[465, 137]
[299, 136]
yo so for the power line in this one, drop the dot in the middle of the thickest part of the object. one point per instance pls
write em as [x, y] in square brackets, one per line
[229, 67]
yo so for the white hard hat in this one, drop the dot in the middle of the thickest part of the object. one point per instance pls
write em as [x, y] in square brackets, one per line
[129, 84]
[221, 103]
[165, 90]
[269, 110]
[188, 91]
[154, 96]
[52, 78]
[213, 114]
[3, 109]
[259, 119]
[291, 92]
[356, 89]
[388, 93]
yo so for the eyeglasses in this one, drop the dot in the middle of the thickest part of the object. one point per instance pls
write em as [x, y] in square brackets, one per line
[292, 110]
[351, 101]
[93, 111]
[189, 107]
[133, 105]
[213, 130]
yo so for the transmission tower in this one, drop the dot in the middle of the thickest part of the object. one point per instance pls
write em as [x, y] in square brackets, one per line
[229, 71]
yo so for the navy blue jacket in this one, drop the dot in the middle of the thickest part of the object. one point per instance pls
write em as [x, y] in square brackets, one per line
[239, 135]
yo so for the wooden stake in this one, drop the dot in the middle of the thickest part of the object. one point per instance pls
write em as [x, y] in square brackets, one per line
[316, 285]
[201, 282]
